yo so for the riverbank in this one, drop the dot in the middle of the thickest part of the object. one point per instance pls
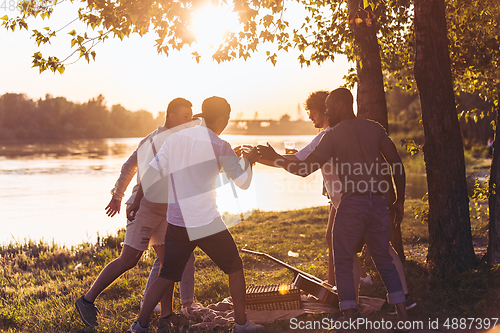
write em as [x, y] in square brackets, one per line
[40, 281]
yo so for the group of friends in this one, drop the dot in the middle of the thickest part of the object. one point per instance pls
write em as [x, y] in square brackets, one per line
[173, 205]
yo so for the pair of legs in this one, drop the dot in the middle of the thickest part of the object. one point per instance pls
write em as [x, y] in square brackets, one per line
[358, 269]
[149, 226]
[186, 285]
[367, 217]
[127, 260]
[220, 247]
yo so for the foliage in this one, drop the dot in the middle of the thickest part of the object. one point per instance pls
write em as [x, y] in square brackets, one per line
[474, 30]
[172, 22]
[324, 31]
[57, 118]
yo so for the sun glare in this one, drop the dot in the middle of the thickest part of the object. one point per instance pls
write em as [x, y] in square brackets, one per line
[211, 26]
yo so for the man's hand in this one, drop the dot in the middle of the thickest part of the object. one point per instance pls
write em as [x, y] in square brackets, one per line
[252, 154]
[398, 209]
[132, 210]
[113, 207]
[268, 153]
[239, 150]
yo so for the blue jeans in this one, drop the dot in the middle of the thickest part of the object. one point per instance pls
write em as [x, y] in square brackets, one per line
[368, 217]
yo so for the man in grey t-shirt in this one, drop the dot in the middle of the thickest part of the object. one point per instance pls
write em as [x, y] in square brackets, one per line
[354, 146]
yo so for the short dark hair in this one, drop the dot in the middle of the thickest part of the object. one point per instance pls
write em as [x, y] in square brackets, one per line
[214, 107]
[177, 103]
[342, 95]
[316, 101]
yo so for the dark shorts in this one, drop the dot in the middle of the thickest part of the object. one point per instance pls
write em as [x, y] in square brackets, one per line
[220, 247]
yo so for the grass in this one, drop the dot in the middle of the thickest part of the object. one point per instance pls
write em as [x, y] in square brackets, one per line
[40, 282]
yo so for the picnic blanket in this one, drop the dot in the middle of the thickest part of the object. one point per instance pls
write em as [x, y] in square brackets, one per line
[221, 315]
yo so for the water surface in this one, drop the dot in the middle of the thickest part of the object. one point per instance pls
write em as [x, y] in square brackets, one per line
[58, 191]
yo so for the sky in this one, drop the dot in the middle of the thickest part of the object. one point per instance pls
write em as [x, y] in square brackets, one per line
[131, 73]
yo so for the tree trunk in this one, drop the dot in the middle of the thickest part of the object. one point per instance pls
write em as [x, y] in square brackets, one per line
[493, 252]
[450, 239]
[371, 95]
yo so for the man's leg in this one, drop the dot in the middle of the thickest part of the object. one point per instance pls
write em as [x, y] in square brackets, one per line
[399, 267]
[329, 242]
[154, 294]
[186, 285]
[356, 274]
[127, 260]
[153, 274]
[377, 239]
[177, 249]
[167, 299]
[238, 293]
[347, 231]
[221, 248]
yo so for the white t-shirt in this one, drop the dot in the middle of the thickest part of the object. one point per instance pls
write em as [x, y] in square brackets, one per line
[193, 159]
[330, 177]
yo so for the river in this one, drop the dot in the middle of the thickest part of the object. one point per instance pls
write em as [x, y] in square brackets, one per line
[57, 191]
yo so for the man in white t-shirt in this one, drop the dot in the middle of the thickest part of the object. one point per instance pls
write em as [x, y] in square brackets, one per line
[191, 161]
[147, 227]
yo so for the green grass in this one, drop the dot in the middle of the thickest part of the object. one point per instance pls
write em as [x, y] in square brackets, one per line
[40, 282]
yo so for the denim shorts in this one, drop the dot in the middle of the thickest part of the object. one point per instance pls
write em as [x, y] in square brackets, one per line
[148, 227]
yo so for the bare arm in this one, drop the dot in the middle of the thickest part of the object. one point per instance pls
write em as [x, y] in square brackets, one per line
[392, 157]
[127, 172]
[271, 163]
[300, 168]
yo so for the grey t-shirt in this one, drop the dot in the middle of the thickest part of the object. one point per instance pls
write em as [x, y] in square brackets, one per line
[354, 148]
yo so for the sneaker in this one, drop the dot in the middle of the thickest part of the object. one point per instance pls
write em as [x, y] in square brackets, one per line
[137, 328]
[169, 324]
[367, 280]
[87, 311]
[185, 310]
[156, 309]
[410, 304]
[248, 326]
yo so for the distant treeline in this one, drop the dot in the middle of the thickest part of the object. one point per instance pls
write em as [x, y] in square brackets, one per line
[23, 119]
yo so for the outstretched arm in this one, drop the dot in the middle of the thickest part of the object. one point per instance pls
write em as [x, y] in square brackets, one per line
[271, 163]
[300, 168]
